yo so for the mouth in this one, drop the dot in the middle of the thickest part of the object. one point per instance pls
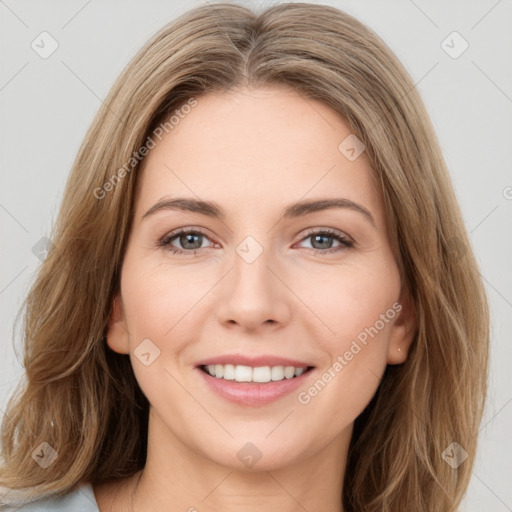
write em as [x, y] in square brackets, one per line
[254, 375]
[257, 386]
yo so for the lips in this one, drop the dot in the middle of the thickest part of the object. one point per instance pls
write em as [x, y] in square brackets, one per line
[252, 394]
[245, 388]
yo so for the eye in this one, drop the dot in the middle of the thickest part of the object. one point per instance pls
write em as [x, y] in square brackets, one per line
[190, 241]
[323, 239]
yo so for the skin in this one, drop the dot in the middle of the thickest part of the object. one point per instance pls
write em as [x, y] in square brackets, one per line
[273, 148]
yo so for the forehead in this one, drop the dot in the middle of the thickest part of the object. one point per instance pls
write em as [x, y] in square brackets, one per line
[254, 145]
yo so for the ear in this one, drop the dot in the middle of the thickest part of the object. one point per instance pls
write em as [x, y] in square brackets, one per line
[117, 332]
[403, 330]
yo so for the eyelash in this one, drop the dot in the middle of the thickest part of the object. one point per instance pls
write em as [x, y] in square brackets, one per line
[165, 242]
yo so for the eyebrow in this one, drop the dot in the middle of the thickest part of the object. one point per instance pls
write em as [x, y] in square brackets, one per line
[299, 209]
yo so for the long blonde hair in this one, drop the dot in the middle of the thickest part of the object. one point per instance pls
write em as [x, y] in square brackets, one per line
[83, 399]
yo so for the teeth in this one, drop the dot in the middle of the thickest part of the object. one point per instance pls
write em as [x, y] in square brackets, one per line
[241, 373]
[229, 372]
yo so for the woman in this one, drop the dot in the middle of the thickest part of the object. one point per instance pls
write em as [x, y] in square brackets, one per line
[261, 293]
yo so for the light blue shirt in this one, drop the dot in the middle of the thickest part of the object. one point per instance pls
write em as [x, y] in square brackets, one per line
[79, 500]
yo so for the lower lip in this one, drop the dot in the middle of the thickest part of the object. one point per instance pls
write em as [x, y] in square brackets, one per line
[252, 393]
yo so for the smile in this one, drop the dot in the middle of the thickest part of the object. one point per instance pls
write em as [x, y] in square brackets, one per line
[253, 386]
[260, 374]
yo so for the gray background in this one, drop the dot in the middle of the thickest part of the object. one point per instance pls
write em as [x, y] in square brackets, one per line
[48, 104]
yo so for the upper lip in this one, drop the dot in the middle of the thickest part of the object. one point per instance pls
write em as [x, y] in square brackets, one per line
[254, 361]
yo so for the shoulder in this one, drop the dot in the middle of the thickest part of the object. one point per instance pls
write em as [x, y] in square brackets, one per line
[80, 499]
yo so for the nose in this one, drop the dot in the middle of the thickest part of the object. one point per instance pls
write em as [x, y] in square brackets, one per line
[253, 295]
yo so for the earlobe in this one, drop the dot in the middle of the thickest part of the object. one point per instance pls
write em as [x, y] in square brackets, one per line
[402, 332]
[117, 332]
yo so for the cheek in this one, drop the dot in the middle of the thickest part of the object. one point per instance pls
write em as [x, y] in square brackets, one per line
[159, 308]
[158, 298]
[165, 305]
[358, 307]
[351, 299]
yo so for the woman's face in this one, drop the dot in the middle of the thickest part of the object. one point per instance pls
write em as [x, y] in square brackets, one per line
[318, 286]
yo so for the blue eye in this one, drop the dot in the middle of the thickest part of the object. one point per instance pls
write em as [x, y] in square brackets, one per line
[322, 238]
[191, 241]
